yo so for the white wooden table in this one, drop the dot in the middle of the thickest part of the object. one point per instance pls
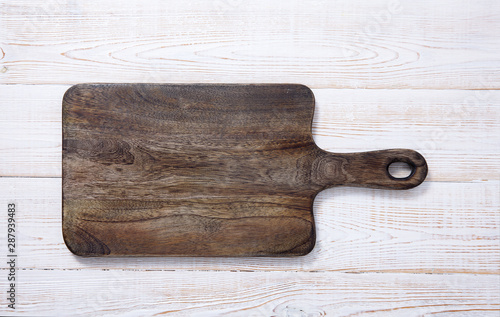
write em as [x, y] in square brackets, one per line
[423, 75]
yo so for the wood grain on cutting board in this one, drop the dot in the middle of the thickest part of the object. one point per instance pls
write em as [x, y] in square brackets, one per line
[432, 70]
[206, 170]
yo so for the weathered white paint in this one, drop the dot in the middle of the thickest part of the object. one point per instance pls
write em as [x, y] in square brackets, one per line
[259, 294]
[433, 73]
[324, 44]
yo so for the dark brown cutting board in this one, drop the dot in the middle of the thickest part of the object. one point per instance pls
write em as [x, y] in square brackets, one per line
[202, 170]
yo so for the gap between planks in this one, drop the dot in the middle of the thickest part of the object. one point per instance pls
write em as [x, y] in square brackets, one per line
[181, 270]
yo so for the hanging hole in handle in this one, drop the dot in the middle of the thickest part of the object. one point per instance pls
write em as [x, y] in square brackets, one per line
[400, 170]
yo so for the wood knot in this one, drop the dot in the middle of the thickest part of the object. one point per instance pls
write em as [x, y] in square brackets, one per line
[104, 151]
[327, 170]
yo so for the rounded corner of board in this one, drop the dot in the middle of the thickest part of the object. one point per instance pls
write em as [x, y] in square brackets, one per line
[72, 245]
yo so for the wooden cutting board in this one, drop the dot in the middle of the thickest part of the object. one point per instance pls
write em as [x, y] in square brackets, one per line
[202, 170]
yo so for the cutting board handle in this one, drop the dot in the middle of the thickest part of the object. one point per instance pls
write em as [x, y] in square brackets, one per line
[371, 169]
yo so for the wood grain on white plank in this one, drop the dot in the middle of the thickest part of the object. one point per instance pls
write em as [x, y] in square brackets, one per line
[456, 130]
[160, 293]
[438, 227]
[324, 44]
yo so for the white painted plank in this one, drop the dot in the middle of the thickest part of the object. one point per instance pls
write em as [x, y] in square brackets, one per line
[438, 227]
[158, 293]
[324, 44]
[458, 131]
[31, 130]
